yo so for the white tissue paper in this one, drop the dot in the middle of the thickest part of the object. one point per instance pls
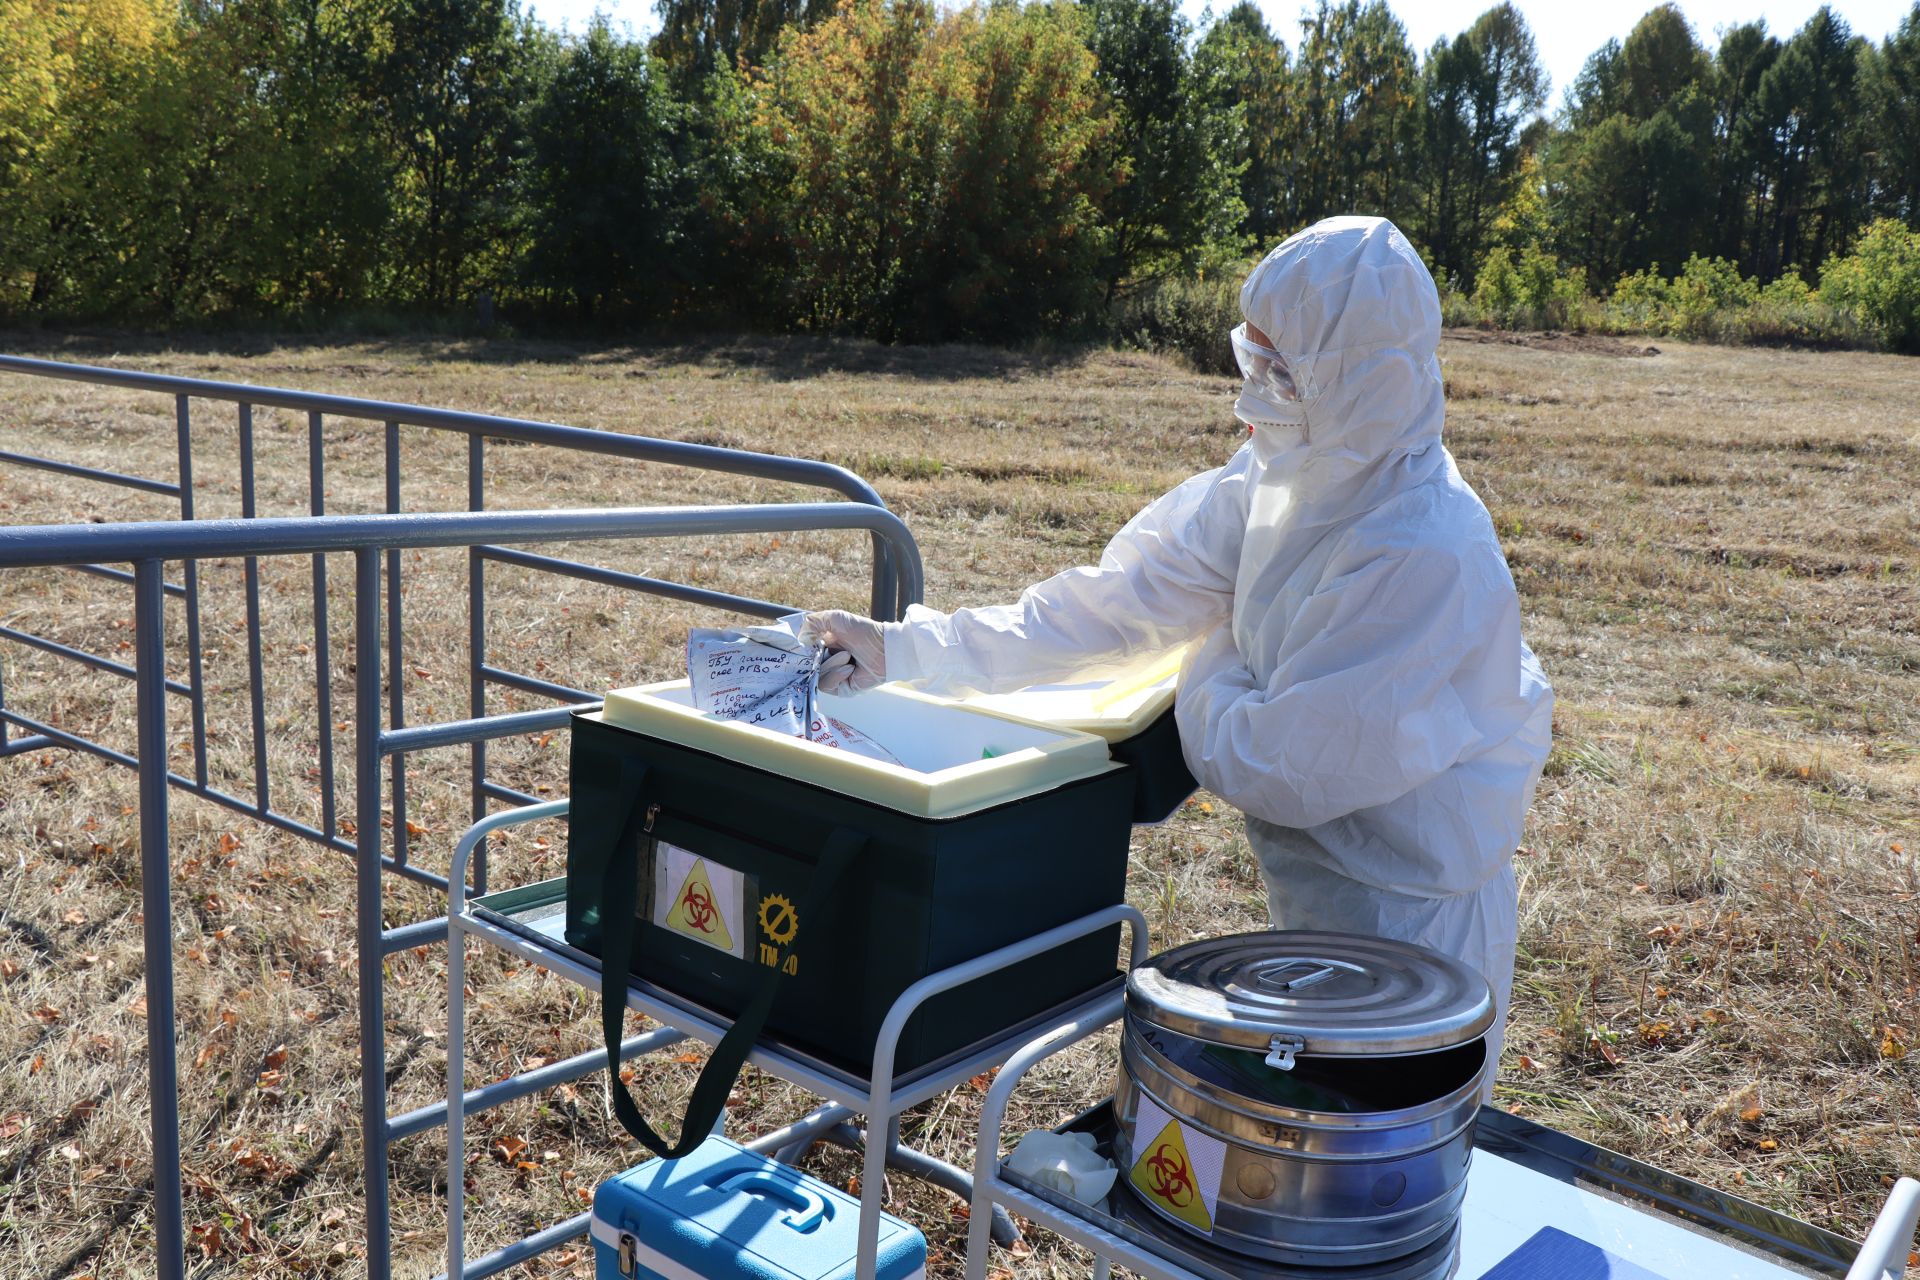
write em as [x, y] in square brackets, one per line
[769, 676]
[1064, 1162]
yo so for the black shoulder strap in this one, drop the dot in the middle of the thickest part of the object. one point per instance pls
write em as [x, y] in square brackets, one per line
[619, 905]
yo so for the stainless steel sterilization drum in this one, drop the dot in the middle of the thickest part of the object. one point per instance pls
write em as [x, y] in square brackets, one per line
[1305, 1098]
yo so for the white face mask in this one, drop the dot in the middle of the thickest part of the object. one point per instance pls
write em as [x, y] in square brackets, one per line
[1271, 440]
[1257, 411]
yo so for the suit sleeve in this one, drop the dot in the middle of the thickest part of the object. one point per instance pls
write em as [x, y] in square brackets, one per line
[1164, 579]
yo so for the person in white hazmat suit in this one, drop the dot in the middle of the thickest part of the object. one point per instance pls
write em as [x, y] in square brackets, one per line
[1361, 689]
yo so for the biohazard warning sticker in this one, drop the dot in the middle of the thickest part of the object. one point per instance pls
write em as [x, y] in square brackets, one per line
[699, 898]
[1176, 1167]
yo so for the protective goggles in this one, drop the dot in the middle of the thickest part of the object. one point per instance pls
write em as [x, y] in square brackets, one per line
[1264, 369]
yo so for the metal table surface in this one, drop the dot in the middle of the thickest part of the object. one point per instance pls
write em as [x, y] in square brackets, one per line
[1526, 1177]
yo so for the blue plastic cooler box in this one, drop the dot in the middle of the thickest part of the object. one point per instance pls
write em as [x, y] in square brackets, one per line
[720, 1212]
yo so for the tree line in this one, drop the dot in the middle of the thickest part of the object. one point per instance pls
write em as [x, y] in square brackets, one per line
[886, 168]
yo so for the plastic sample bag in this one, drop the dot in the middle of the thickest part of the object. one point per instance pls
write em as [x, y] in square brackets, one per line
[769, 676]
[756, 675]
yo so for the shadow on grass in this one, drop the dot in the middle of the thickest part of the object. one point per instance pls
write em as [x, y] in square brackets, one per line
[777, 357]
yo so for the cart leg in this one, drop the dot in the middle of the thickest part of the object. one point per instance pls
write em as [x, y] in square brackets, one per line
[978, 1227]
[1101, 1267]
[873, 1196]
[892, 1144]
[456, 1097]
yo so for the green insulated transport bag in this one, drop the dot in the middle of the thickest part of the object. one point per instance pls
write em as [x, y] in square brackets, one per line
[798, 888]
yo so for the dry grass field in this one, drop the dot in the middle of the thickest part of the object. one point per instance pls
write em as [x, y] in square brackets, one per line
[1716, 549]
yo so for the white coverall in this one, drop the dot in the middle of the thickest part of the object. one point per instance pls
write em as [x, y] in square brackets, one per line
[1362, 691]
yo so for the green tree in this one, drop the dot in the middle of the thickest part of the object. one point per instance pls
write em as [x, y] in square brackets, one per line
[1178, 203]
[1017, 240]
[1528, 288]
[1598, 91]
[32, 67]
[1240, 65]
[63, 71]
[1629, 171]
[609, 190]
[745, 161]
[450, 79]
[1354, 123]
[1891, 98]
[1880, 283]
[858, 140]
[1660, 63]
[1813, 178]
[925, 177]
[1740, 138]
[697, 37]
[1525, 221]
[1477, 94]
[313, 197]
[228, 168]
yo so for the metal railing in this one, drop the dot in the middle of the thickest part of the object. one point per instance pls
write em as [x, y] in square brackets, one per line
[887, 597]
[381, 737]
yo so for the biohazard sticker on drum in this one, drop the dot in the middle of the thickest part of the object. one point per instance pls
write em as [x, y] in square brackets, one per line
[1176, 1168]
[699, 898]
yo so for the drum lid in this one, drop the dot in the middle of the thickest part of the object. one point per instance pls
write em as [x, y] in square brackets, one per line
[1298, 991]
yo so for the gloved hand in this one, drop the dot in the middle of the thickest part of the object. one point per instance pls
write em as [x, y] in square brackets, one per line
[858, 657]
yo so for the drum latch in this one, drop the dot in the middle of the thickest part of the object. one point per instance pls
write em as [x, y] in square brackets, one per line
[1280, 1051]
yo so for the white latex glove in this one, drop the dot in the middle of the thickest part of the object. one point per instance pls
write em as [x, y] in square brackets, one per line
[858, 650]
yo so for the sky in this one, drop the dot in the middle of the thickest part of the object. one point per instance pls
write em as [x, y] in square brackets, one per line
[1565, 30]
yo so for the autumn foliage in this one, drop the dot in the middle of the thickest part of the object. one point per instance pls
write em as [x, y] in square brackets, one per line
[928, 175]
[892, 168]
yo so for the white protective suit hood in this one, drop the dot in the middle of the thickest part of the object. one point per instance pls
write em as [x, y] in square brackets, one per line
[1351, 307]
[1361, 690]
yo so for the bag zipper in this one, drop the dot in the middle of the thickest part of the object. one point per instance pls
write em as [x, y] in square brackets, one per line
[653, 812]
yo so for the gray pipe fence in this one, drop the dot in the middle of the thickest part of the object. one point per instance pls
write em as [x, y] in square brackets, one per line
[381, 737]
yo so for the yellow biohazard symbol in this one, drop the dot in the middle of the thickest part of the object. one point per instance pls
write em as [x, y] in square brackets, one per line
[779, 919]
[696, 914]
[1164, 1174]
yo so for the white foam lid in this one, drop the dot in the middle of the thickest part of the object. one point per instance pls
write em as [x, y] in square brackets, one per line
[1115, 708]
[955, 758]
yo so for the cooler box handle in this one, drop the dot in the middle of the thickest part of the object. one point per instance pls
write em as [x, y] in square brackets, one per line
[806, 1211]
[619, 900]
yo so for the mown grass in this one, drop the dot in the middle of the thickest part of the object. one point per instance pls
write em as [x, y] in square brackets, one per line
[1716, 550]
